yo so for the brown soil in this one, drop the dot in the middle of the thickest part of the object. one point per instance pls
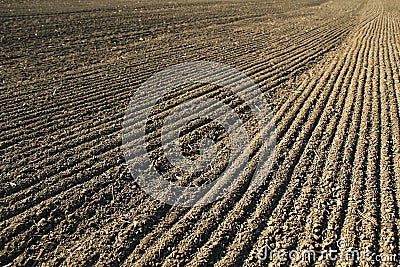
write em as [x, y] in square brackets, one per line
[330, 70]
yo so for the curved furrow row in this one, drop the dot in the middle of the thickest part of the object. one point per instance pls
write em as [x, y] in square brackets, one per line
[304, 177]
[268, 235]
[335, 196]
[87, 95]
[393, 87]
[298, 228]
[307, 31]
[144, 204]
[354, 215]
[275, 231]
[166, 224]
[302, 115]
[323, 190]
[389, 210]
[334, 187]
[67, 197]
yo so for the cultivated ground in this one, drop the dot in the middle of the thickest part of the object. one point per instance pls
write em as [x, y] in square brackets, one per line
[330, 70]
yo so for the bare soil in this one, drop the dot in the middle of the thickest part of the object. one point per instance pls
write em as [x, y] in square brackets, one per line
[330, 70]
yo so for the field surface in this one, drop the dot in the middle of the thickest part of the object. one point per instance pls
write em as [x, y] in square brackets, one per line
[329, 69]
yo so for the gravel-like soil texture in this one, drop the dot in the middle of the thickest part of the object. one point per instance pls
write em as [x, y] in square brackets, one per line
[329, 69]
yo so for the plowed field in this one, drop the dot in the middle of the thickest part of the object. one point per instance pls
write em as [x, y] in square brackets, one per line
[330, 71]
